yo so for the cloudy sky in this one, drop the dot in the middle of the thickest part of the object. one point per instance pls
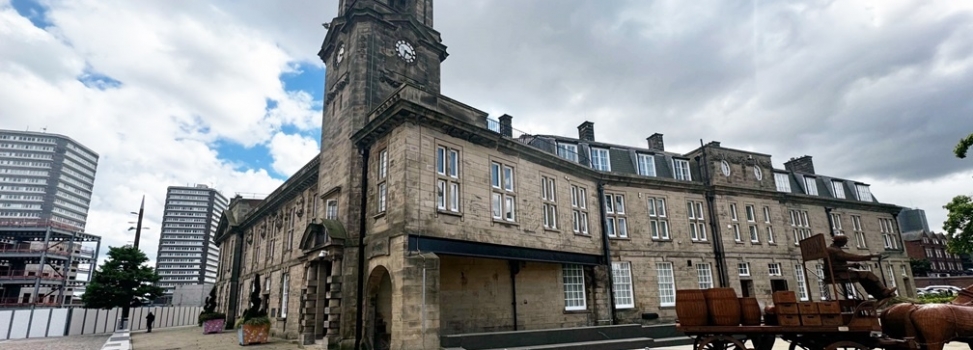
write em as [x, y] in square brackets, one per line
[229, 93]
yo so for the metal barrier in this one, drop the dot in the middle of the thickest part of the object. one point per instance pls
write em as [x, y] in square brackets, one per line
[56, 322]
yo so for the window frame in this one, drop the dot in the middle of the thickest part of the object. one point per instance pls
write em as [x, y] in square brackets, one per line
[658, 218]
[811, 185]
[607, 159]
[503, 191]
[564, 287]
[697, 221]
[549, 201]
[666, 283]
[783, 182]
[704, 275]
[682, 172]
[838, 189]
[579, 210]
[571, 155]
[774, 266]
[644, 162]
[743, 266]
[622, 282]
[449, 185]
[616, 219]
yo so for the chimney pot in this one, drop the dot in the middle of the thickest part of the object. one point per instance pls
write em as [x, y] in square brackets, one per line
[800, 165]
[655, 142]
[506, 125]
[586, 131]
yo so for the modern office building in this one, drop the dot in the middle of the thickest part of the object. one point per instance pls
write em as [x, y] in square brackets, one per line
[187, 254]
[46, 177]
[46, 182]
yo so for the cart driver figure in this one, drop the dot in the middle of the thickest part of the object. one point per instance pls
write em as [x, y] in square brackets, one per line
[839, 264]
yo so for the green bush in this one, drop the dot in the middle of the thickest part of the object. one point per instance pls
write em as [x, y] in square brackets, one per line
[936, 298]
[255, 321]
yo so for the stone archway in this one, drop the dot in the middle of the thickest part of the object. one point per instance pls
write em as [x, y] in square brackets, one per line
[378, 310]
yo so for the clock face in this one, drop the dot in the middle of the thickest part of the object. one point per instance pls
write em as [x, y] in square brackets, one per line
[405, 51]
[341, 53]
[725, 167]
[758, 173]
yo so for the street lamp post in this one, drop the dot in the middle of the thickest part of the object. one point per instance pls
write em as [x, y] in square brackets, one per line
[123, 324]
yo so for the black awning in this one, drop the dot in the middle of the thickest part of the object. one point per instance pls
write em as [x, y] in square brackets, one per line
[496, 251]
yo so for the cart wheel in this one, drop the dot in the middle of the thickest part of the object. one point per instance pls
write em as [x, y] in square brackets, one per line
[763, 342]
[720, 342]
[846, 345]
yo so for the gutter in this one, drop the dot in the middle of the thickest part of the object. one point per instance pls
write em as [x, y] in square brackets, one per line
[718, 250]
[606, 249]
[359, 315]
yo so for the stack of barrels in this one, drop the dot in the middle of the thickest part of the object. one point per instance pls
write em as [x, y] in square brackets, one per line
[715, 307]
[787, 311]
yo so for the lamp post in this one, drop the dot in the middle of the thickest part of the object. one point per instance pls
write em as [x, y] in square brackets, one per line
[123, 323]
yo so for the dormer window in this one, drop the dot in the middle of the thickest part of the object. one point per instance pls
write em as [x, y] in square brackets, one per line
[567, 151]
[864, 194]
[599, 159]
[680, 168]
[839, 189]
[783, 183]
[812, 185]
[646, 164]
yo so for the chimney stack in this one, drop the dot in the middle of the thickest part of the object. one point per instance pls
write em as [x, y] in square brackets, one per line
[655, 142]
[506, 126]
[586, 131]
[800, 165]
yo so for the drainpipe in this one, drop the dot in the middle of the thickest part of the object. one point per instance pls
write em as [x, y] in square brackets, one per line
[514, 270]
[718, 250]
[231, 311]
[364, 152]
[606, 249]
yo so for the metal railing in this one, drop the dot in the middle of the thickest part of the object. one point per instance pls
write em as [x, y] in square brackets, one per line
[35, 251]
[26, 274]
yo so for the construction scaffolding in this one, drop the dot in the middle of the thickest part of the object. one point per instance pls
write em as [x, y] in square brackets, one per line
[43, 263]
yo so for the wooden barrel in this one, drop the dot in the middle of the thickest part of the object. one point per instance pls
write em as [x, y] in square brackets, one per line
[691, 307]
[723, 306]
[749, 312]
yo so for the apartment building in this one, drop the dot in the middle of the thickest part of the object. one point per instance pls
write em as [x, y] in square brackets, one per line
[187, 254]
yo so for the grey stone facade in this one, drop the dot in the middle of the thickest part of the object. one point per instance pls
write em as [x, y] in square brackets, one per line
[419, 220]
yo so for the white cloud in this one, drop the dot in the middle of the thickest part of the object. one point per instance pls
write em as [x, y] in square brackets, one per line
[291, 152]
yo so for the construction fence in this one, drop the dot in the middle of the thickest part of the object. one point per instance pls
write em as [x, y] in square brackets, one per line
[57, 322]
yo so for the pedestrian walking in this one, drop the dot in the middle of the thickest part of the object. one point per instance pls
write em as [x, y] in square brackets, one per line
[148, 321]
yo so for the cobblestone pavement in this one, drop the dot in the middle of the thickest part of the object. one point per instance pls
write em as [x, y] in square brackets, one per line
[193, 338]
[74, 342]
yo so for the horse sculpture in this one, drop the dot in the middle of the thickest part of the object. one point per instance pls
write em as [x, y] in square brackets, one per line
[932, 325]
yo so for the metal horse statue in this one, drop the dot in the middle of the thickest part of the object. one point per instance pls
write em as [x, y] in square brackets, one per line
[931, 326]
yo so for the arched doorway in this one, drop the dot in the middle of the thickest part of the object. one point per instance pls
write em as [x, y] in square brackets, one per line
[378, 311]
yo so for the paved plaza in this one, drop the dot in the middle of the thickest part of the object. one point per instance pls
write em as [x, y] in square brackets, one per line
[192, 338]
[75, 342]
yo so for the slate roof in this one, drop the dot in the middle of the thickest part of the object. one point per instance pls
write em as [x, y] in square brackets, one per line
[623, 159]
[825, 185]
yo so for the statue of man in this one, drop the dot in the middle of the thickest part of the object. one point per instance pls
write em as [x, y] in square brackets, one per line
[867, 279]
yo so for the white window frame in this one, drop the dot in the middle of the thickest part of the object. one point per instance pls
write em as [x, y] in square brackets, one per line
[783, 182]
[704, 274]
[503, 199]
[838, 189]
[811, 184]
[448, 184]
[766, 214]
[573, 276]
[754, 234]
[331, 209]
[864, 193]
[680, 170]
[773, 269]
[771, 239]
[658, 220]
[743, 269]
[568, 151]
[802, 291]
[733, 212]
[579, 209]
[646, 164]
[622, 283]
[284, 294]
[667, 284]
[737, 236]
[549, 199]
[601, 159]
[617, 225]
[697, 221]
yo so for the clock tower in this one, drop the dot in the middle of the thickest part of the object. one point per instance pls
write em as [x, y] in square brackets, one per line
[371, 49]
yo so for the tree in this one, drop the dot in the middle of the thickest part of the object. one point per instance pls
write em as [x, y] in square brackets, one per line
[120, 279]
[959, 225]
[920, 267]
[963, 146]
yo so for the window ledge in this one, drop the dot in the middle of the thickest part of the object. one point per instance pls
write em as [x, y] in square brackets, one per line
[772, 243]
[552, 230]
[699, 242]
[448, 212]
[616, 238]
[737, 242]
[755, 243]
[379, 215]
[662, 239]
[581, 234]
[576, 311]
[504, 222]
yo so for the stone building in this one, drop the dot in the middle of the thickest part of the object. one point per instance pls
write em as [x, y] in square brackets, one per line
[923, 244]
[423, 217]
